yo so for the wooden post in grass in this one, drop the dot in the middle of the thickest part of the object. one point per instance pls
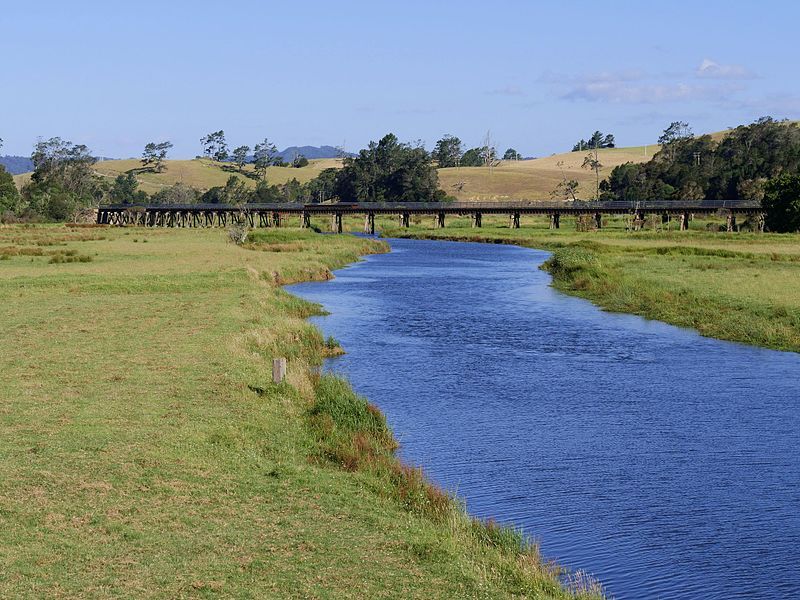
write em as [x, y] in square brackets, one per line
[405, 219]
[515, 220]
[477, 217]
[684, 221]
[336, 224]
[278, 370]
[439, 222]
[555, 219]
[369, 224]
[598, 220]
[731, 222]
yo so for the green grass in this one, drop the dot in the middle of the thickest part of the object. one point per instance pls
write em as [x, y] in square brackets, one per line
[146, 452]
[742, 287]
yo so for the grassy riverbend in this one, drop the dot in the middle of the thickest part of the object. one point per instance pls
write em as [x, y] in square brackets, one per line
[743, 287]
[146, 452]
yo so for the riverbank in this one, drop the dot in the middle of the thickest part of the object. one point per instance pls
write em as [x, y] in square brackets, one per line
[740, 287]
[147, 453]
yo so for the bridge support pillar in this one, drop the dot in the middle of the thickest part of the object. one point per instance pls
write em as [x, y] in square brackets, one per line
[276, 219]
[439, 222]
[369, 224]
[761, 222]
[477, 219]
[684, 221]
[598, 220]
[514, 220]
[336, 223]
[731, 222]
[305, 220]
[555, 221]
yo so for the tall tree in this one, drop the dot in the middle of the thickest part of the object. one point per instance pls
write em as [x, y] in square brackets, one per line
[567, 189]
[68, 164]
[240, 156]
[782, 203]
[389, 171]
[596, 140]
[592, 161]
[264, 155]
[215, 146]
[63, 180]
[177, 193]
[9, 196]
[677, 131]
[126, 190]
[447, 152]
[512, 154]
[155, 154]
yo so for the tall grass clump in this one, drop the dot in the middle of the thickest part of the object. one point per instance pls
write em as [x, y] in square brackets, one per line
[574, 265]
[351, 432]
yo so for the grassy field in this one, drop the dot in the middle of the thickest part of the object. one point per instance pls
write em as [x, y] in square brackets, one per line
[736, 286]
[510, 180]
[204, 174]
[535, 179]
[146, 452]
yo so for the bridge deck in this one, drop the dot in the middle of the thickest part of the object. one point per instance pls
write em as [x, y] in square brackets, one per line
[264, 215]
[523, 207]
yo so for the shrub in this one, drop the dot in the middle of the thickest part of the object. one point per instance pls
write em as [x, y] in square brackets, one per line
[782, 204]
[238, 234]
[566, 262]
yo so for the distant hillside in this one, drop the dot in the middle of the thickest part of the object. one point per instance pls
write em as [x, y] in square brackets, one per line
[535, 179]
[16, 164]
[531, 179]
[204, 174]
[311, 152]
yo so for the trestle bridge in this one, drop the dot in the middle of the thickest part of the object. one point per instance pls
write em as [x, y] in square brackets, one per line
[275, 215]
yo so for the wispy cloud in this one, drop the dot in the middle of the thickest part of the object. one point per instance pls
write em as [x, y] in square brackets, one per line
[509, 90]
[646, 93]
[710, 69]
[777, 105]
[634, 86]
[590, 78]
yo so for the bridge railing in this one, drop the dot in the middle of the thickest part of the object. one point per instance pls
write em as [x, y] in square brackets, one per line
[599, 206]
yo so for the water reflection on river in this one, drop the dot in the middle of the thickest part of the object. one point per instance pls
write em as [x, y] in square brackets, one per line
[663, 462]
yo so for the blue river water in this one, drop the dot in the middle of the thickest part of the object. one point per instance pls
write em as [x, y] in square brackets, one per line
[664, 463]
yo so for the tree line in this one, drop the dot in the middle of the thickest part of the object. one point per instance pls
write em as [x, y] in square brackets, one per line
[747, 163]
[449, 152]
[760, 161]
[688, 167]
[64, 183]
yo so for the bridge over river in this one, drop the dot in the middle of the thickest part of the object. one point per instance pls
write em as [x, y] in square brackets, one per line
[273, 215]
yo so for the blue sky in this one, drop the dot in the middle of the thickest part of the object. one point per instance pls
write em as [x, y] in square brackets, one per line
[539, 75]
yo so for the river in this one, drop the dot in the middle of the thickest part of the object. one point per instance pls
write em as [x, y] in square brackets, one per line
[663, 463]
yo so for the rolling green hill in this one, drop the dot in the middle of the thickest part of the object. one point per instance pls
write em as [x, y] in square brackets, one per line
[511, 180]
